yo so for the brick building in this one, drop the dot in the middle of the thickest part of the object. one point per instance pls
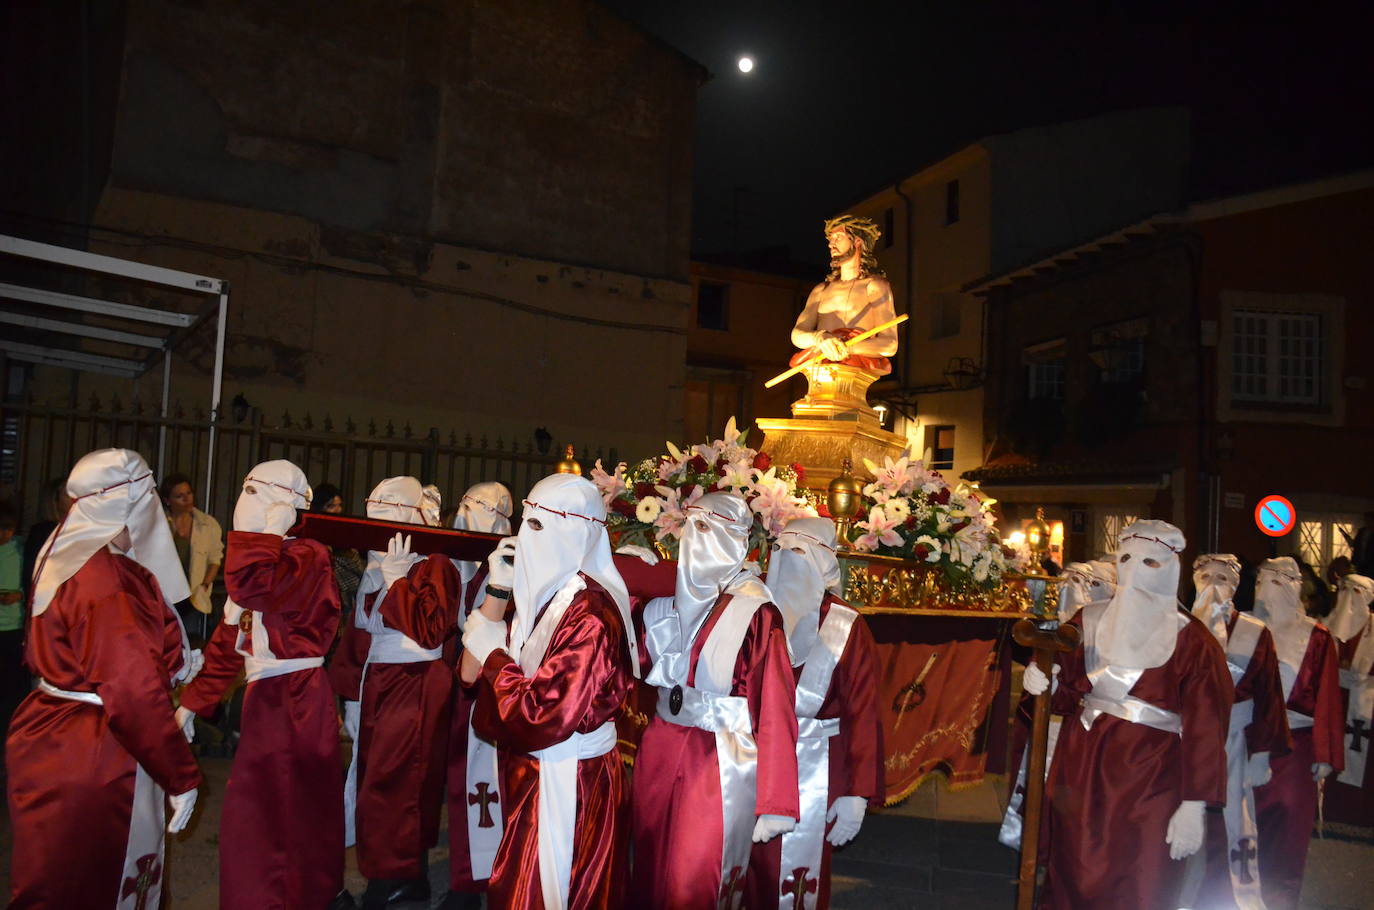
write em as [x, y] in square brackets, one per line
[443, 211]
[1187, 365]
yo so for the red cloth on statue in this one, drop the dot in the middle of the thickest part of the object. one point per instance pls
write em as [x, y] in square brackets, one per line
[1266, 732]
[1286, 807]
[855, 757]
[281, 829]
[1113, 789]
[72, 765]
[460, 876]
[404, 728]
[676, 804]
[880, 365]
[580, 685]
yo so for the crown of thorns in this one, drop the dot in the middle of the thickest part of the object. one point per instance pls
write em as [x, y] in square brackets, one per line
[1163, 543]
[531, 502]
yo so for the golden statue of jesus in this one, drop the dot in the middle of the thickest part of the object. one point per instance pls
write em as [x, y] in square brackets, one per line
[855, 296]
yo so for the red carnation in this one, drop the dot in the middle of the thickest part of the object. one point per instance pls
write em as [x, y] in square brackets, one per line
[920, 551]
[911, 522]
[720, 466]
[644, 490]
[940, 498]
[763, 461]
[686, 492]
[697, 465]
[800, 472]
[963, 523]
[623, 506]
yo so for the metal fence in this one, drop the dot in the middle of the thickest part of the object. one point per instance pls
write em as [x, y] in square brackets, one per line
[39, 442]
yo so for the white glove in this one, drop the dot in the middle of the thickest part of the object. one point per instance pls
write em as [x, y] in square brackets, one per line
[186, 720]
[847, 812]
[644, 553]
[500, 573]
[279, 519]
[1320, 770]
[482, 636]
[1257, 772]
[195, 659]
[396, 562]
[353, 714]
[183, 804]
[1184, 835]
[1036, 682]
[770, 826]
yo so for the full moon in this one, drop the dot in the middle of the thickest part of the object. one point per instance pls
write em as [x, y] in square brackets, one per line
[746, 64]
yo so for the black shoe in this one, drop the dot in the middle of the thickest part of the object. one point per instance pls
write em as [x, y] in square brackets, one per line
[462, 900]
[383, 892]
[343, 901]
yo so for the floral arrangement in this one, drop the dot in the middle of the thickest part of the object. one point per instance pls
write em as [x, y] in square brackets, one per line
[646, 503]
[914, 513]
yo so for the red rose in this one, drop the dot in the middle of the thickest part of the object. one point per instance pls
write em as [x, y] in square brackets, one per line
[920, 551]
[697, 465]
[686, 492]
[763, 461]
[623, 506]
[644, 490]
[800, 472]
[721, 465]
[911, 522]
[963, 523]
[941, 498]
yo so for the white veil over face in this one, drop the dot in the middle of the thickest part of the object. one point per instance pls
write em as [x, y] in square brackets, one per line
[563, 532]
[397, 499]
[1216, 577]
[431, 505]
[485, 507]
[111, 489]
[269, 483]
[711, 554]
[1138, 629]
[1351, 615]
[1278, 601]
[801, 568]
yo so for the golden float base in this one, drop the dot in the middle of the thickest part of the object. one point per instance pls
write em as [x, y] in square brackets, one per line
[835, 391]
[821, 446]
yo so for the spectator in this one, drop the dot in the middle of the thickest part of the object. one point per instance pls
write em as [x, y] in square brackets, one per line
[1316, 594]
[199, 541]
[348, 564]
[1362, 547]
[13, 678]
[1339, 568]
[53, 507]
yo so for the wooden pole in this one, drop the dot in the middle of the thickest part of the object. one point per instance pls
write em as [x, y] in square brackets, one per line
[1045, 643]
[860, 337]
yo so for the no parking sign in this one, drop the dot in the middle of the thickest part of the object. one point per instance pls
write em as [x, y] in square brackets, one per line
[1275, 516]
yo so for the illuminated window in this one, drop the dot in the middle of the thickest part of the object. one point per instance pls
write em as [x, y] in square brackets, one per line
[1276, 357]
[1107, 528]
[1324, 537]
[940, 445]
[1045, 369]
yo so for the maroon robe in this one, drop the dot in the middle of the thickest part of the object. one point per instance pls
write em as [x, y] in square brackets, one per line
[1266, 732]
[1286, 807]
[460, 876]
[855, 757]
[281, 829]
[580, 685]
[403, 730]
[1345, 803]
[676, 805]
[72, 765]
[1113, 789]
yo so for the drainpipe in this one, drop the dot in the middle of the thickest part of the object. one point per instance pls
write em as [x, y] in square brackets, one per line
[910, 279]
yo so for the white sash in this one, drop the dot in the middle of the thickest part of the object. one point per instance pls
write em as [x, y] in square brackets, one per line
[803, 846]
[1111, 686]
[708, 706]
[140, 880]
[485, 823]
[1012, 820]
[1241, 644]
[1359, 713]
[558, 807]
[260, 662]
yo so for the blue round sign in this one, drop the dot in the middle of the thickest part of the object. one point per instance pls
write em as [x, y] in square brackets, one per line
[1275, 516]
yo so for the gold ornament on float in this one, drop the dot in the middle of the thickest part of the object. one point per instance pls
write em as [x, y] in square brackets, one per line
[842, 499]
[569, 464]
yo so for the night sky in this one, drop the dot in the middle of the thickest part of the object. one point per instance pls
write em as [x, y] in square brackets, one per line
[846, 97]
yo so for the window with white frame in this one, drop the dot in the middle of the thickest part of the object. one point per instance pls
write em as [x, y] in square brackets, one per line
[1324, 537]
[1277, 357]
[1107, 525]
[1045, 369]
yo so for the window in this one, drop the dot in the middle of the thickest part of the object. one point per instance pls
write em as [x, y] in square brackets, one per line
[713, 306]
[1107, 528]
[1119, 350]
[940, 448]
[952, 202]
[1322, 538]
[945, 314]
[712, 397]
[1277, 357]
[889, 226]
[1045, 369]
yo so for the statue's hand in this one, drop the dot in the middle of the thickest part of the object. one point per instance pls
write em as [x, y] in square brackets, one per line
[833, 349]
